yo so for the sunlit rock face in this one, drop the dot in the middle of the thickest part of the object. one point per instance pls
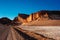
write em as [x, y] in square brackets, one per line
[33, 17]
[22, 18]
[42, 15]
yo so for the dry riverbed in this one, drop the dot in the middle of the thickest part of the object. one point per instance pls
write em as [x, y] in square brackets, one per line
[48, 31]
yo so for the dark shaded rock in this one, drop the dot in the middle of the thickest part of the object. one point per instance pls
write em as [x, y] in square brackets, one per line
[54, 15]
[16, 22]
[24, 16]
[5, 20]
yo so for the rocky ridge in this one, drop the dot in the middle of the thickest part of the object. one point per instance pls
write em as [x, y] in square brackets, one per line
[24, 18]
[40, 15]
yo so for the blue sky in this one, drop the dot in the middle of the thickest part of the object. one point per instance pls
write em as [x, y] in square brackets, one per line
[11, 8]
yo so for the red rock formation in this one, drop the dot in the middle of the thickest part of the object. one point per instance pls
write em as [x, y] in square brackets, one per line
[37, 15]
[34, 16]
[22, 18]
[42, 15]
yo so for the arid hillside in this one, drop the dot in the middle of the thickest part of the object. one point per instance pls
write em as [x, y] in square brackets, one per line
[43, 23]
[43, 15]
[5, 20]
[41, 18]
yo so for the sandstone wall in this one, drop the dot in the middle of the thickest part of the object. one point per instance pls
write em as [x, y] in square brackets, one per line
[21, 20]
[33, 17]
[29, 19]
[41, 15]
[37, 15]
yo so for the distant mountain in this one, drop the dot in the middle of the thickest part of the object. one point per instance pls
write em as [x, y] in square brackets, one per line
[5, 20]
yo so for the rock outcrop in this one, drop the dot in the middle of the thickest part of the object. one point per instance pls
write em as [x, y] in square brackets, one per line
[34, 16]
[5, 20]
[24, 18]
[37, 15]
[42, 15]
[15, 21]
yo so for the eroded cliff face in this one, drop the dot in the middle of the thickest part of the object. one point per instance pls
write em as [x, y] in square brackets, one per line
[37, 15]
[32, 17]
[41, 15]
[54, 15]
[22, 18]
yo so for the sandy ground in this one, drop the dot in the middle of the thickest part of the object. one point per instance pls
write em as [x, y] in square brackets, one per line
[16, 33]
[48, 31]
[43, 23]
